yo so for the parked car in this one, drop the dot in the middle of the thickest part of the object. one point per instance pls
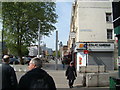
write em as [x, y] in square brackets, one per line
[26, 60]
[14, 60]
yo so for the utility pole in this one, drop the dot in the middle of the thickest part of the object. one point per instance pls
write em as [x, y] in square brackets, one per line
[73, 51]
[56, 60]
[38, 38]
[86, 54]
[60, 46]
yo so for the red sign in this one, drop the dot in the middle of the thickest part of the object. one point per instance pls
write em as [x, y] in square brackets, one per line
[85, 51]
[80, 60]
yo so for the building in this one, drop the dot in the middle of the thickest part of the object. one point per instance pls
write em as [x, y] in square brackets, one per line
[92, 34]
[63, 50]
[33, 50]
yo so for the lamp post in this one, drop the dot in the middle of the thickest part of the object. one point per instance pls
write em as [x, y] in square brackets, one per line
[56, 61]
[38, 38]
[86, 46]
[60, 46]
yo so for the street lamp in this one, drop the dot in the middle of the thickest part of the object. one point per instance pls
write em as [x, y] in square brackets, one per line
[38, 38]
[56, 61]
[60, 46]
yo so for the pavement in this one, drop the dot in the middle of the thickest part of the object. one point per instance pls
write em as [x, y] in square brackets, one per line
[58, 76]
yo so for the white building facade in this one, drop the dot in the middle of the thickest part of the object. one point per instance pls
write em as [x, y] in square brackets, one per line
[33, 50]
[92, 26]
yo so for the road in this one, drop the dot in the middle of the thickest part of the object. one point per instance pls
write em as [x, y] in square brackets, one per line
[59, 76]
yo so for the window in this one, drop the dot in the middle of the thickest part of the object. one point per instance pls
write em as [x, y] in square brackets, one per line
[108, 17]
[109, 34]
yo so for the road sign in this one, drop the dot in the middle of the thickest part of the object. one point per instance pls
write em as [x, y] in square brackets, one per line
[85, 51]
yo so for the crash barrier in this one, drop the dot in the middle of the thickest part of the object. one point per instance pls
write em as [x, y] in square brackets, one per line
[92, 69]
[96, 79]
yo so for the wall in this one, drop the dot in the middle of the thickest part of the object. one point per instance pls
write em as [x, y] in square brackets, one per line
[92, 24]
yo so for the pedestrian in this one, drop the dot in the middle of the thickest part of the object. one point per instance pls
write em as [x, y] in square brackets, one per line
[63, 64]
[71, 74]
[36, 77]
[9, 79]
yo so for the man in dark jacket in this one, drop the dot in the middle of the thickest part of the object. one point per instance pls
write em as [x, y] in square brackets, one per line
[9, 80]
[71, 74]
[36, 78]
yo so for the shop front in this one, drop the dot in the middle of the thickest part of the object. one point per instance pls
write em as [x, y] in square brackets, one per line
[94, 53]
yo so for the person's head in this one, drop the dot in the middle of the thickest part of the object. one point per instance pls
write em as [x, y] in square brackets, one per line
[35, 62]
[71, 63]
[6, 59]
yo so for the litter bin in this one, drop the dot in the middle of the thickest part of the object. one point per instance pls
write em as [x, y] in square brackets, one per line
[114, 83]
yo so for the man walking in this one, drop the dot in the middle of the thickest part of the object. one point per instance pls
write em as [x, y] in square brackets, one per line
[36, 78]
[9, 80]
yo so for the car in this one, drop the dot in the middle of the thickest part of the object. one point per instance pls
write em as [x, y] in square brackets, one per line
[26, 60]
[14, 61]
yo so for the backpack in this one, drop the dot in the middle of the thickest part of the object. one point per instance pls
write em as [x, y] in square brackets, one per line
[40, 83]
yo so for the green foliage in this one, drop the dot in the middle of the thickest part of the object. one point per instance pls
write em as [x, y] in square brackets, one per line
[54, 53]
[24, 51]
[20, 23]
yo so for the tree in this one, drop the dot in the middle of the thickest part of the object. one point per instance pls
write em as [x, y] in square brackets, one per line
[20, 23]
[54, 54]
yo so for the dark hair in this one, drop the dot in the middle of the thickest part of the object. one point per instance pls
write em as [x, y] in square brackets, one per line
[37, 61]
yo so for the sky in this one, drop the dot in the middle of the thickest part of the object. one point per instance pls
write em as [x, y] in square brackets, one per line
[63, 10]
